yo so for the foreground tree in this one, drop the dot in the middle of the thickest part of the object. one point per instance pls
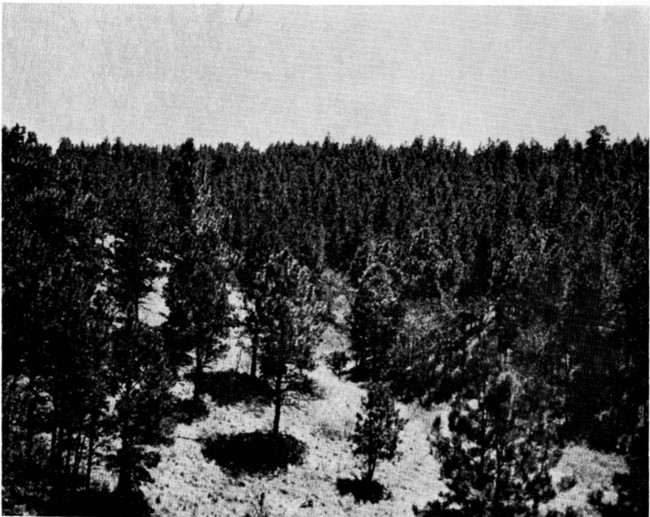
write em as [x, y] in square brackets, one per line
[55, 323]
[632, 486]
[376, 434]
[288, 318]
[497, 459]
[140, 366]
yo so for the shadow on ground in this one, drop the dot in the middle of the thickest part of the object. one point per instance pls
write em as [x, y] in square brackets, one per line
[363, 491]
[254, 453]
[100, 501]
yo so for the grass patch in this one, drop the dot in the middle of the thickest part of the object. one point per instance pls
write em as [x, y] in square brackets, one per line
[254, 453]
[363, 491]
[331, 431]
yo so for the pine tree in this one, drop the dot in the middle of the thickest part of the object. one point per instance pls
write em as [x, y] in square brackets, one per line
[375, 319]
[197, 291]
[141, 371]
[376, 433]
[497, 459]
[288, 315]
[55, 322]
[632, 486]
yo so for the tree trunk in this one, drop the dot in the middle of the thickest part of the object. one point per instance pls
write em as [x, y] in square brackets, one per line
[30, 424]
[54, 441]
[125, 454]
[278, 404]
[91, 448]
[372, 464]
[69, 446]
[77, 454]
[198, 375]
[254, 346]
[125, 480]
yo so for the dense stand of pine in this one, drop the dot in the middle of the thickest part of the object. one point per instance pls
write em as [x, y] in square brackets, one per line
[532, 261]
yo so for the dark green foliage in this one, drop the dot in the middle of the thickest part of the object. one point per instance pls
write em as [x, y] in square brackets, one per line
[197, 291]
[288, 317]
[631, 486]
[497, 458]
[254, 453]
[530, 259]
[363, 490]
[55, 322]
[142, 378]
[376, 433]
[337, 361]
[187, 411]
[141, 372]
[374, 319]
[424, 265]
[232, 387]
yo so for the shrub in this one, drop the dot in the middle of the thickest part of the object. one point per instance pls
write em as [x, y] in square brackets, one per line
[363, 490]
[567, 483]
[254, 453]
[376, 434]
[337, 361]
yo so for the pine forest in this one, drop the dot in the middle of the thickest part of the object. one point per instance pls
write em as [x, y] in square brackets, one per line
[325, 328]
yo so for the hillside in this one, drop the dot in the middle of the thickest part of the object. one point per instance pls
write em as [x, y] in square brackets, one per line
[187, 484]
[505, 290]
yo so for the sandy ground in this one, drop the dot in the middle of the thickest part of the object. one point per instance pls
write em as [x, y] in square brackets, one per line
[187, 484]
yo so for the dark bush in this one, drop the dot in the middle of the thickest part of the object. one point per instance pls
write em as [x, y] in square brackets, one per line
[567, 483]
[337, 361]
[188, 410]
[254, 453]
[231, 387]
[362, 490]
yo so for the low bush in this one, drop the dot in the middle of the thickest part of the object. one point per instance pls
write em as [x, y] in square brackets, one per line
[567, 483]
[337, 361]
[362, 490]
[254, 453]
[187, 411]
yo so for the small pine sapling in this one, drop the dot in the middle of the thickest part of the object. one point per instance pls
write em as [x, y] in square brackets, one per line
[376, 434]
[337, 360]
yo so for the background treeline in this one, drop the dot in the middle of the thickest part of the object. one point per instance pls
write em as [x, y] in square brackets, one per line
[532, 260]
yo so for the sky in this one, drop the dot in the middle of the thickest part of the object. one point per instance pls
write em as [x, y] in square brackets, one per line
[262, 74]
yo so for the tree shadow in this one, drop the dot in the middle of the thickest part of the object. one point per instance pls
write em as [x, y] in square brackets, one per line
[254, 453]
[231, 387]
[362, 490]
[100, 501]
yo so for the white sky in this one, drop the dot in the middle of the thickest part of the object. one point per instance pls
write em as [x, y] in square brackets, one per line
[160, 74]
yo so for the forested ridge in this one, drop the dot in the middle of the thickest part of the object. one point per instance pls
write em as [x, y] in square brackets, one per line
[510, 283]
